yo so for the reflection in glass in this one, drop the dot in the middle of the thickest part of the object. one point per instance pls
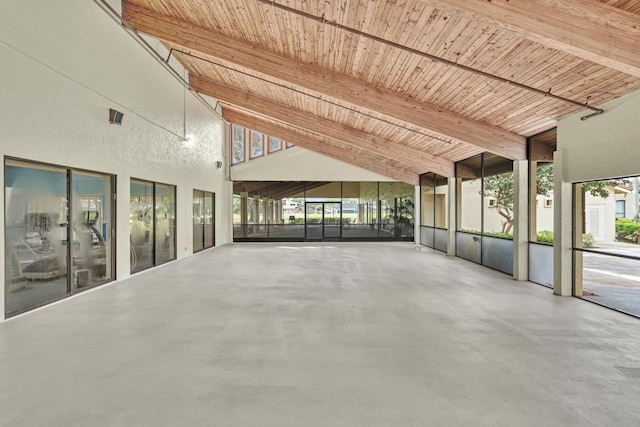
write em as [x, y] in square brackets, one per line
[36, 234]
[335, 210]
[257, 144]
[275, 144]
[238, 145]
[442, 204]
[203, 220]
[198, 220]
[434, 191]
[209, 220]
[396, 207]
[165, 223]
[428, 201]
[141, 222]
[91, 247]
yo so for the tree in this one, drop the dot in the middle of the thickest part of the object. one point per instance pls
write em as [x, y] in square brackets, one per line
[500, 187]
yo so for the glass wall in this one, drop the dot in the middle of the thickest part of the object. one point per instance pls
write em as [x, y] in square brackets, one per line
[92, 249]
[606, 246]
[141, 222]
[322, 211]
[485, 211]
[151, 224]
[203, 220]
[53, 215]
[469, 209]
[198, 220]
[541, 148]
[396, 211]
[434, 208]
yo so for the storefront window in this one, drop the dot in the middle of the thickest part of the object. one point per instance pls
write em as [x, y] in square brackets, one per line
[92, 245]
[297, 211]
[203, 212]
[58, 233]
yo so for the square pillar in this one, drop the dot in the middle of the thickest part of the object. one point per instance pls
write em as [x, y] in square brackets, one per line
[244, 212]
[452, 213]
[417, 202]
[521, 220]
[563, 229]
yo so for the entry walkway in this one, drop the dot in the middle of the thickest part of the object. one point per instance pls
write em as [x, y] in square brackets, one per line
[379, 334]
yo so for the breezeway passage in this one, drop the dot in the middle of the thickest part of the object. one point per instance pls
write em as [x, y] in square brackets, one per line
[342, 334]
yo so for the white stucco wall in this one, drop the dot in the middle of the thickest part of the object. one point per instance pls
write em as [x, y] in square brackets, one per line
[299, 164]
[604, 146]
[63, 65]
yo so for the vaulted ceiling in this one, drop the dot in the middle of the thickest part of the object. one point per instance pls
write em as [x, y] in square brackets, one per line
[401, 87]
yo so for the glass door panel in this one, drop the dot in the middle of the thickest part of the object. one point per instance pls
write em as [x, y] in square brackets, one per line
[141, 225]
[209, 223]
[198, 214]
[91, 245]
[332, 214]
[36, 236]
[313, 220]
[165, 220]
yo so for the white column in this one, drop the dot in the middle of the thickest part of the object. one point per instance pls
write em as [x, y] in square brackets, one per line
[267, 213]
[562, 228]
[521, 220]
[416, 215]
[452, 209]
[244, 212]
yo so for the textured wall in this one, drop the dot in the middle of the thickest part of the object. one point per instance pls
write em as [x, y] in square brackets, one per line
[605, 146]
[64, 64]
[298, 164]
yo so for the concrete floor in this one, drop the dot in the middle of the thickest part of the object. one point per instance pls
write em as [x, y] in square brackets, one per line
[348, 334]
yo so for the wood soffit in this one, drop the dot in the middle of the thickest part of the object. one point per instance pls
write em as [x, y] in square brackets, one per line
[374, 96]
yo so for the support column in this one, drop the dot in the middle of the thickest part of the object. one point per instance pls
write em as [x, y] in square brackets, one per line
[521, 220]
[452, 212]
[255, 214]
[279, 211]
[562, 229]
[244, 212]
[266, 211]
[416, 215]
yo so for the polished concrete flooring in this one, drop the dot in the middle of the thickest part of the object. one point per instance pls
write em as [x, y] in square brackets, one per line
[380, 334]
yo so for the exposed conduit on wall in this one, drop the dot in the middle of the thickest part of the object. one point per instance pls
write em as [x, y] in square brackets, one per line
[113, 14]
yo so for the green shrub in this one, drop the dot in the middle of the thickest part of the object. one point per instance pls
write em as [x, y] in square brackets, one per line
[545, 236]
[627, 230]
[498, 234]
[588, 241]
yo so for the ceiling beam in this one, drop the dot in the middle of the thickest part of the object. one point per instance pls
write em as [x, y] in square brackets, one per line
[423, 161]
[590, 30]
[319, 144]
[339, 86]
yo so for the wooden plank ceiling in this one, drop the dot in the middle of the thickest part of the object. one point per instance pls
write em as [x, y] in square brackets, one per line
[401, 87]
